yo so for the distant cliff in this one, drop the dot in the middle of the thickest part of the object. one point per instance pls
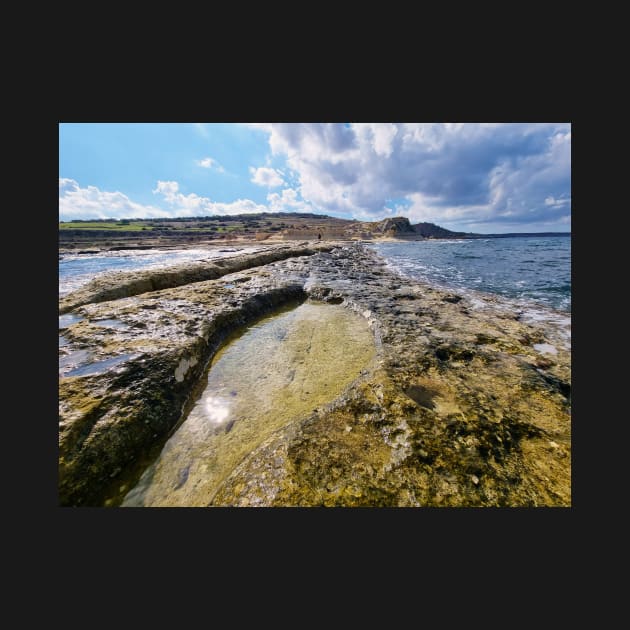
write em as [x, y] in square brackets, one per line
[395, 226]
[430, 230]
[400, 227]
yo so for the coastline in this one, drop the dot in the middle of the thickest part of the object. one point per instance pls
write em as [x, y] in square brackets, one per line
[461, 408]
[95, 246]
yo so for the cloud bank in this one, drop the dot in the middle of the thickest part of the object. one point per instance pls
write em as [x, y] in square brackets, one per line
[264, 176]
[469, 174]
[91, 203]
[193, 205]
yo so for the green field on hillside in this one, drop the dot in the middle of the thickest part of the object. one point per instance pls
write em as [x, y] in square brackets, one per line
[132, 226]
[135, 226]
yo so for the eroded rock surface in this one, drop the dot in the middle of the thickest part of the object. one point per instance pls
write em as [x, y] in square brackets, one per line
[278, 371]
[115, 285]
[459, 408]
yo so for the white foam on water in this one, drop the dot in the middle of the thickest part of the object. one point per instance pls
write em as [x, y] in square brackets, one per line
[557, 325]
[476, 303]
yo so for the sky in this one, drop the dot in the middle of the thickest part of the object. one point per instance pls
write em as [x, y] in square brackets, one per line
[469, 177]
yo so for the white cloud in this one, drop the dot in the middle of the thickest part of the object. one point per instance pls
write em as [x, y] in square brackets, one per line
[209, 162]
[168, 189]
[379, 135]
[200, 128]
[192, 205]
[450, 172]
[287, 201]
[91, 203]
[556, 203]
[269, 177]
[259, 126]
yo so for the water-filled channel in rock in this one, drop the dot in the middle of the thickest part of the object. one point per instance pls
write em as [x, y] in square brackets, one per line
[278, 370]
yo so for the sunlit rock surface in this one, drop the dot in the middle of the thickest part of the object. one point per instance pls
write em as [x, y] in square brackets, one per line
[278, 371]
[460, 405]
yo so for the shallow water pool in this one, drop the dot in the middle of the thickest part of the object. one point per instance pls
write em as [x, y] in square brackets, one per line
[278, 370]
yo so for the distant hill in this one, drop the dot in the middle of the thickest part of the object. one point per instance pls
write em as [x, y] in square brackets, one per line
[430, 230]
[186, 231]
[400, 227]
[395, 226]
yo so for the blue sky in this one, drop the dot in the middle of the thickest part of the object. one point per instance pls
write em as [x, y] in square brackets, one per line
[473, 177]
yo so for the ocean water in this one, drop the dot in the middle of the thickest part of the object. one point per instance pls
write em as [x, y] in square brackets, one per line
[530, 273]
[75, 270]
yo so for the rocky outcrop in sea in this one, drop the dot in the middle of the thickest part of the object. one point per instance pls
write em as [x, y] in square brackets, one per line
[459, 406]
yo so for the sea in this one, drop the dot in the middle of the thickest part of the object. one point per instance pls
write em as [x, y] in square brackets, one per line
[528, 275]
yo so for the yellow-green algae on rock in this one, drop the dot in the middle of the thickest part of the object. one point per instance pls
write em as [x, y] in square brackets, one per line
[462, 408]
[279, 370]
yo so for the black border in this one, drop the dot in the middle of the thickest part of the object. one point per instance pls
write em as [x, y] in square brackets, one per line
[354, 91]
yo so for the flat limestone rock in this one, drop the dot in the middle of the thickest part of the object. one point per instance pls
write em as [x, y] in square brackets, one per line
[458, 408]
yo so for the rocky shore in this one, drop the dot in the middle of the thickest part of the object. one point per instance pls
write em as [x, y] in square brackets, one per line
[459, 408]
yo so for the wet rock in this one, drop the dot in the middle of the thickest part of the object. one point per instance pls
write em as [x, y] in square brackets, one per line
[145, 400]
[183, 477]
[544, 363]
[114, 286]
[325, 294]
[454, 352]
[421, 395]
[454, 397]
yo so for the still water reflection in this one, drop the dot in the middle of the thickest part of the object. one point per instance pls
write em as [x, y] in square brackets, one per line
[279, 370]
